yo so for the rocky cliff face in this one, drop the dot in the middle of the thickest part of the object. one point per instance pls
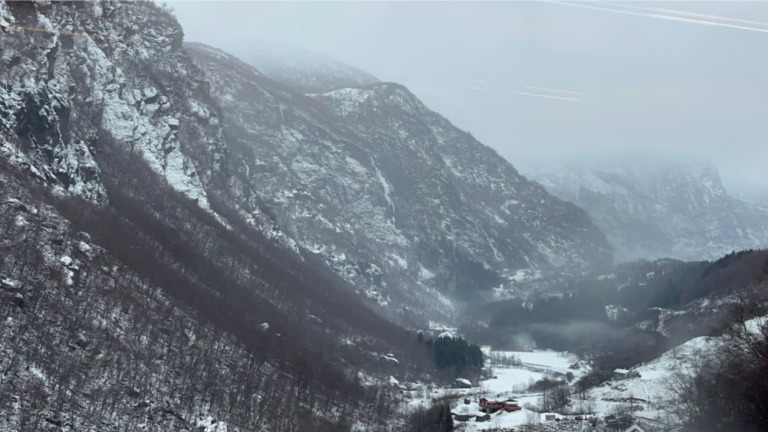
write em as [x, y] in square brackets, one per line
[392, 195]
[651, 208]
[72, 72]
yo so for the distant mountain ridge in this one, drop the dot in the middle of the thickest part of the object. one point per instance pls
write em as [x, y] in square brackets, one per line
[656, 207]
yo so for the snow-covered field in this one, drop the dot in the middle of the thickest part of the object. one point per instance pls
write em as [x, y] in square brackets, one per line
[552, 360]
[534, 365]
[648, 394]
[508, 380]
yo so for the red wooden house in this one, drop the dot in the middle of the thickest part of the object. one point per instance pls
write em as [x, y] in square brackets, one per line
[489, 406]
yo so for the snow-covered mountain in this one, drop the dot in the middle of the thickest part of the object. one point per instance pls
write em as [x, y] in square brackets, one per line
[399, 201]
[657, 207]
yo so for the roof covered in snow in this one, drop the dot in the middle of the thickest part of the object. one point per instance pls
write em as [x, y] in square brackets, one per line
[463, 381]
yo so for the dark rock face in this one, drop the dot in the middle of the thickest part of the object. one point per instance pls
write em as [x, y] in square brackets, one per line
[72, 72]
[652, 208]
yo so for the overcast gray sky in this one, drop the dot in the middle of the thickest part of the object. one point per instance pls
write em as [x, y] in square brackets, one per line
[546, 78]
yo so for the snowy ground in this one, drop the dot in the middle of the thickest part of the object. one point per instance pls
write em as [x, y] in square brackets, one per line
[534, 365]
[650, 393]
[551, 360]
[509, 381]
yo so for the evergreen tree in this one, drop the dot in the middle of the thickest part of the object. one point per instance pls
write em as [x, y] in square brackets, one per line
[458, 353]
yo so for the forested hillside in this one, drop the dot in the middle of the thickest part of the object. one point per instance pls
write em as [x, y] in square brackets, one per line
[631, 314]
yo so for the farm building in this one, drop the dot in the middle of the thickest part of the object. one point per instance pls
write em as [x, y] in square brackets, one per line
[462, 383]
[491, 406]
[620, 374]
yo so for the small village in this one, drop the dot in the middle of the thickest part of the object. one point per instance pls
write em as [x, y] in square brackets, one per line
[511, 399]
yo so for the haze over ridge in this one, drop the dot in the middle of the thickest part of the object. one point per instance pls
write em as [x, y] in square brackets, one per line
[534, 79]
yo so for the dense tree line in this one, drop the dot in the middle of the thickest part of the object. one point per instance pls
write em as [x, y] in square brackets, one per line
[455, 353]
[437, 418]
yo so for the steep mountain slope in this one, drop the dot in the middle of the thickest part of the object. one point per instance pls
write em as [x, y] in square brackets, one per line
[301, 69]
[129, 337]
[656, 207]
[117, 218]
[393, 196]
[403, 205]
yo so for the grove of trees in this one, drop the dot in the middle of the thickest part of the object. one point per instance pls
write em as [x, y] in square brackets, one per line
[455, 352]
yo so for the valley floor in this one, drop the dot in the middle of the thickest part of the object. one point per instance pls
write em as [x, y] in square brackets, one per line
[646, 395]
